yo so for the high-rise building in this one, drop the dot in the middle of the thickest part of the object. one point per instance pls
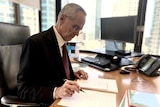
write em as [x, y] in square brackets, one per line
[29, 17]
[125, 8]
[7, 11]
[154, 45]
[25, 15]
[48, 14]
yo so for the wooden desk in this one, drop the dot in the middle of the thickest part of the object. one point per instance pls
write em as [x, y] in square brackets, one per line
[134, 80]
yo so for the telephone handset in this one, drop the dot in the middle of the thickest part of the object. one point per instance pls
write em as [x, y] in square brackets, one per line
[148, 65]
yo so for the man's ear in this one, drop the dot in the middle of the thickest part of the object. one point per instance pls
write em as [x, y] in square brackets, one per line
[62, 18]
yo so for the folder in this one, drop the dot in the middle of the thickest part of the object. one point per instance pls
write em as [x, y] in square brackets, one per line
[134, 98]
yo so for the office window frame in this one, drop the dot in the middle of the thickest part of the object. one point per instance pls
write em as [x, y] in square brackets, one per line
[140, 25]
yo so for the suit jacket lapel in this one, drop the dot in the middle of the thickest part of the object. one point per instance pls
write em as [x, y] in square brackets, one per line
[53, 46]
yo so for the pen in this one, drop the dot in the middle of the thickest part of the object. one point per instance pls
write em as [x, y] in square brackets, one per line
[80, 88]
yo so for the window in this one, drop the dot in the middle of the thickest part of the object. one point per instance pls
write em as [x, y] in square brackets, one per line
[102, 8]
[7, 13]
[48, 14]
[25, 15]
[29, 17]
[91, 30]
[118, 8]
[151, 37]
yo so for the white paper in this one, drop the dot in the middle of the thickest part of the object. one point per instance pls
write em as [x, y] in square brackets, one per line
[90, 99]
[99, 84]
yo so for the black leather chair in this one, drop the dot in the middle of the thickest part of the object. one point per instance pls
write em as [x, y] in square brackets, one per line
[11, 39]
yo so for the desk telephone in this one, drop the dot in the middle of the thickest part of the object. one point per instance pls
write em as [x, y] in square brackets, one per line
[148, 65]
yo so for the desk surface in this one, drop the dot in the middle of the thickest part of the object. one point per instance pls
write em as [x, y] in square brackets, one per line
[134, 80]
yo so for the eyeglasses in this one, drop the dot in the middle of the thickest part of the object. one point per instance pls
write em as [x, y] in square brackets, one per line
[74, 26]
[77, 28]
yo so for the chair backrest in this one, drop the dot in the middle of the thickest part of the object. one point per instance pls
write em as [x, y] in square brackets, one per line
[12, 37]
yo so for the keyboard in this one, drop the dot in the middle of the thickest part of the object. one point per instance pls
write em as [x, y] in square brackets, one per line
[105, 62]
[101, 62]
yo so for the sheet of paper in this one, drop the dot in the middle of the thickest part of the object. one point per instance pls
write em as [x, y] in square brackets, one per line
[92, 72]
[90, 99]
[99, 84]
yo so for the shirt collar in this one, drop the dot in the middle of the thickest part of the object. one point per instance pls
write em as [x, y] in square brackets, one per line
[60, 40]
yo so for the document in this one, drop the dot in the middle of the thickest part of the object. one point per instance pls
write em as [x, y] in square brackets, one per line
[90, 99]
[99, 84]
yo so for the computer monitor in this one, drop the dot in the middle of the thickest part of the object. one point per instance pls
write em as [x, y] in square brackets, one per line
[119, 28]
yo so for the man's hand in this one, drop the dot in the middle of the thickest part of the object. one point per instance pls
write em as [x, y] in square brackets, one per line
[81, 74]
[67, 89]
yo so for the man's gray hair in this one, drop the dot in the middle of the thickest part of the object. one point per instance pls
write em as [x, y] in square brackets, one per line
[71, 9]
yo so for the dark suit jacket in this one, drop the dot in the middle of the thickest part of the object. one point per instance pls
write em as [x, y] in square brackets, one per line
[41, 68]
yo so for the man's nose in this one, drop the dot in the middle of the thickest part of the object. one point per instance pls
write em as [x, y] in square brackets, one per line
[78, 32]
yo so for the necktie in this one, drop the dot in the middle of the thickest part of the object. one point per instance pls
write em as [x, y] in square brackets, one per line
[65, 61]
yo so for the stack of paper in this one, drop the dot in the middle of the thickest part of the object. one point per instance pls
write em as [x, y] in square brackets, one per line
[98, 93]
[90, 99]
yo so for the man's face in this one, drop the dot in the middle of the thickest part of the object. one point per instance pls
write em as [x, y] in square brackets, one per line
[69, 28]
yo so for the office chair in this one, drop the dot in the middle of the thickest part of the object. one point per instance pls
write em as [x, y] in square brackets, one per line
[11, 39]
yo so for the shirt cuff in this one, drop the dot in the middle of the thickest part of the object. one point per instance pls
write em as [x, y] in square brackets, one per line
[54, 93]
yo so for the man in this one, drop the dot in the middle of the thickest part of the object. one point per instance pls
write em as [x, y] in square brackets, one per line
[42, 77]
